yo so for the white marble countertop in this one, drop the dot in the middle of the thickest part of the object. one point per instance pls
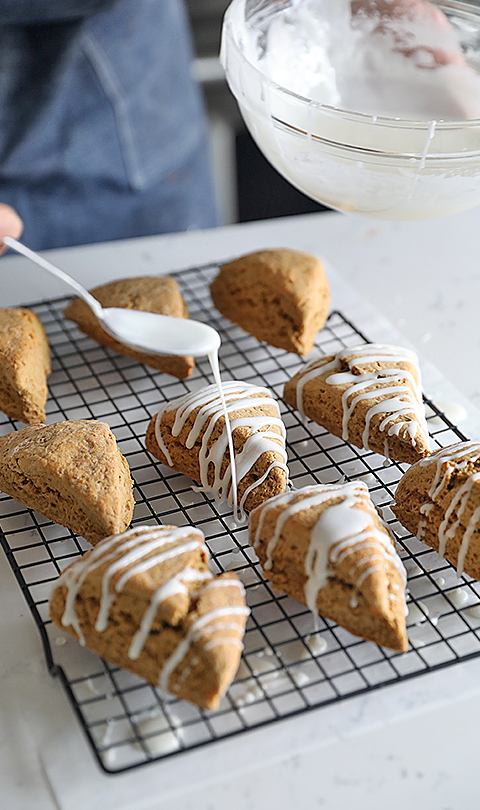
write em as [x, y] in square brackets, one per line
[409, 744]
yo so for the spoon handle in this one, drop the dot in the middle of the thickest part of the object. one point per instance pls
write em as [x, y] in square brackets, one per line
[35, 257]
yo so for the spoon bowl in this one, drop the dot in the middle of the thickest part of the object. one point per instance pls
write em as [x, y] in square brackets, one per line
[145, 331]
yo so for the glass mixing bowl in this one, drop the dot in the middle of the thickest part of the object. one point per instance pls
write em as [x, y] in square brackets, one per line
[374, 166]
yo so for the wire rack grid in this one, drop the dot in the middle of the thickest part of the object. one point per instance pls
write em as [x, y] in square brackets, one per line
[289, 665]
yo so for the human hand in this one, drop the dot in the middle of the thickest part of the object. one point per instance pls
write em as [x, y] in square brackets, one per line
[10, 225]
[400, 18]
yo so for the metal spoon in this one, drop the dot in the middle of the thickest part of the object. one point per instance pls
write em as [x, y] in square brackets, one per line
[145, 331]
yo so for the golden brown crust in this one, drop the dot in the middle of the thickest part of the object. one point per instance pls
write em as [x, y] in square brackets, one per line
[279, 296]
[158, 294]
[186, 460]
[447, 510]
[205, 671]
[322, 402]
[24, 365]
[72, 473]
[373, 609]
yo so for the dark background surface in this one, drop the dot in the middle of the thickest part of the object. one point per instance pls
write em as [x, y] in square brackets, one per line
[261, 192]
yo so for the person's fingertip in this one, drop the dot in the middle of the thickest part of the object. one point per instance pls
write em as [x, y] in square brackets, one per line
[10, 222]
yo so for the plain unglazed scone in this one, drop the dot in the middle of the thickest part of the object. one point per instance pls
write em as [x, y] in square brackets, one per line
[158, 294]
[24, 365]
[279, 296]
[325, 546]
[71, 472]
[189, 435]
[438, 500]
[147, 601]
[368, 395]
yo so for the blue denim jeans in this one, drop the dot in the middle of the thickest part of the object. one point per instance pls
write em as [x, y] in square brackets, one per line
[102, 130]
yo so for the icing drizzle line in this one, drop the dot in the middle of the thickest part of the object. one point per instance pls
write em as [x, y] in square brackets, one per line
[131, 553]
[459, 456]
[340, 530]
[238, 396]
[401, 389]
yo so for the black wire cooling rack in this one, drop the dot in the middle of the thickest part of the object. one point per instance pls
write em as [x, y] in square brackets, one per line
[288, 666]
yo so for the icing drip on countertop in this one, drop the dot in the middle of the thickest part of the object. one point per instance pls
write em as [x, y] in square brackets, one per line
[400, 389]
[456, 456]
[239, 396]
[340, 530]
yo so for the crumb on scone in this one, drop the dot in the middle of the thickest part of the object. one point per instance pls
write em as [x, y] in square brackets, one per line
[279, 296]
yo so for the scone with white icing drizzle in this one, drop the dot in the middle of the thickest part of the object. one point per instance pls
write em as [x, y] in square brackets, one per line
[24, 365]
[189, 435]
[147, 601]
[368, 395]
[438, 500]
[159, 294]
[71, 472]
[280, 296]
[326, 546]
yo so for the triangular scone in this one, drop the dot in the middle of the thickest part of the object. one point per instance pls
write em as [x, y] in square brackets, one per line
[438, 500]
[24, 365]
[325, 546]
[158, 294]
[189, 435]
[279, 296]
[147, 602]
[369, 395]
[72, 473]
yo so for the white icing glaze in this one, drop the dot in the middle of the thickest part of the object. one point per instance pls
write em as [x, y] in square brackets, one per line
[207, 623]
[316, 644]
[458, 597]
[300, 677]
[401, 392]
[213, 360]
[127, 552]
[159, 738]
[455, 456]
[413, 571]
[416, 613]
[340, 530]
[238, 396]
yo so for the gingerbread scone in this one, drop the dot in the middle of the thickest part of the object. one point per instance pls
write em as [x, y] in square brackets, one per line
[147, 601]
[368, 395]
[189, 435]
[279, 296]
[24, 365]
[72, 473]
[158, 294]
[325, 546]
[438, 500]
